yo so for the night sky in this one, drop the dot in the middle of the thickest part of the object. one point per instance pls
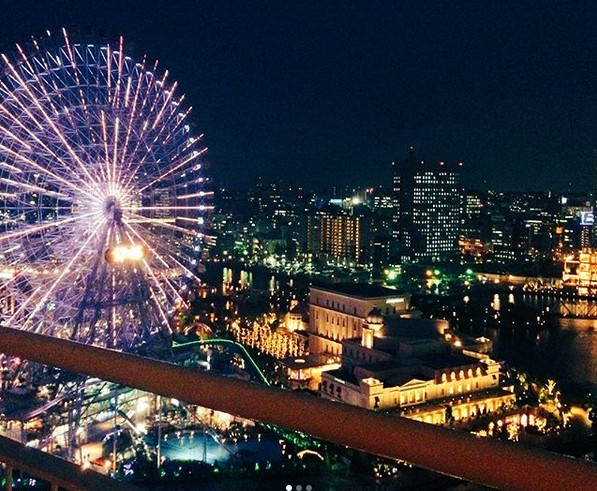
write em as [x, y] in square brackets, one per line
[329, 93]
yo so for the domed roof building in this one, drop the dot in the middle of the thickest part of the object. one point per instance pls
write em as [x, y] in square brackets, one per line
[375, 317]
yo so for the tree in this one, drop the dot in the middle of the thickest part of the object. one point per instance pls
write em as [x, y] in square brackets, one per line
[448, 416]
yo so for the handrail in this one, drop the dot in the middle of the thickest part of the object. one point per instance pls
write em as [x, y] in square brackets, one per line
[55, 470]
[493, 463]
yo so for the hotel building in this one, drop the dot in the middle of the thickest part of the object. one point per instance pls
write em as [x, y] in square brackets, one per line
[406, 366]
[339, 312]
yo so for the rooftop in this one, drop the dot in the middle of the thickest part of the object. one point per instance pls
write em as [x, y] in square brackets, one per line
[304, 362]
[440, 361]
[399, 379]
[299, 309]
[344, 375]
[362, 290]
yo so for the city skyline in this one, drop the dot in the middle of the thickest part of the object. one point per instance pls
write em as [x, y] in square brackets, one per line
[161, 326]
[331, 94]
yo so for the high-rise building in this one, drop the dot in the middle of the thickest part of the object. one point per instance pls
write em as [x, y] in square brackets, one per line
[427, 207]
[345, 237]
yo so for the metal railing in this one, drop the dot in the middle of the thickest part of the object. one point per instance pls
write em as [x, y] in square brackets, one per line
[57, 472]
[492, 463]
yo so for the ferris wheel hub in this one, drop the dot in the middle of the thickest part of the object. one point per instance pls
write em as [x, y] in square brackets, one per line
[112, 208]
[110, 204]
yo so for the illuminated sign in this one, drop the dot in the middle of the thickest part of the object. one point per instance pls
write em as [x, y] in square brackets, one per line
[587, 218]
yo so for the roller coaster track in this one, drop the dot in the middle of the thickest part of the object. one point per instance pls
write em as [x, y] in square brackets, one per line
[237, 347]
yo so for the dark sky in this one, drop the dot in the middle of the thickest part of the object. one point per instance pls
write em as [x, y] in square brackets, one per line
[329, 92]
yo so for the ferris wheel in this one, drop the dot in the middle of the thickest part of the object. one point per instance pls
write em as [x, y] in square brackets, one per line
[101, 193]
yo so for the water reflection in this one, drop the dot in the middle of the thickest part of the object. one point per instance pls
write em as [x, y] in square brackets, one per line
[495, 303]
[525, 329]
[528, 333]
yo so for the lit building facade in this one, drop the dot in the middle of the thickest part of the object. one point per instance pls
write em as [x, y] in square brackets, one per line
[427, 209]
[340, 237]
[580, 271]
[421, 378]
[339, 312]
[392, 385]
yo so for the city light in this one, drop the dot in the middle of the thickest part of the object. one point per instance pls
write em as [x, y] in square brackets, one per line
[393, 289]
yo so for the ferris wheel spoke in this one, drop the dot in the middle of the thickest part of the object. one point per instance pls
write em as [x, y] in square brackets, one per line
[39, 227]
[152, 248]
[165, 104]
[106, 173]
[40, 86]
[46, 172]
[149, 269]
[145, 130]
[168, 223]
[140, 163]
[17, 183]
[115, 100]
[73, 63]
[168, 208]
[133, 113]
[111, 170]
[36, 139]
[177, 166]
[47, 117]
[164, 256]
[198, 194]
[49, 289]
[129, 172]
[56, 89]
[189, 273]
[145, 133]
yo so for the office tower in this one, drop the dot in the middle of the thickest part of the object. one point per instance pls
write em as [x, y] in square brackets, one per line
[427, 204]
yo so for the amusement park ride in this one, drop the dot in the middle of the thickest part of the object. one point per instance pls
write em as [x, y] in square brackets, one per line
[102, 197]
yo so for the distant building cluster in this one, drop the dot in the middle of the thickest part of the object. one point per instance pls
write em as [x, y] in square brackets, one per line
[425, 217]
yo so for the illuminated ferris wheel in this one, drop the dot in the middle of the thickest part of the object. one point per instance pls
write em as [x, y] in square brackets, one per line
[101, 193]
